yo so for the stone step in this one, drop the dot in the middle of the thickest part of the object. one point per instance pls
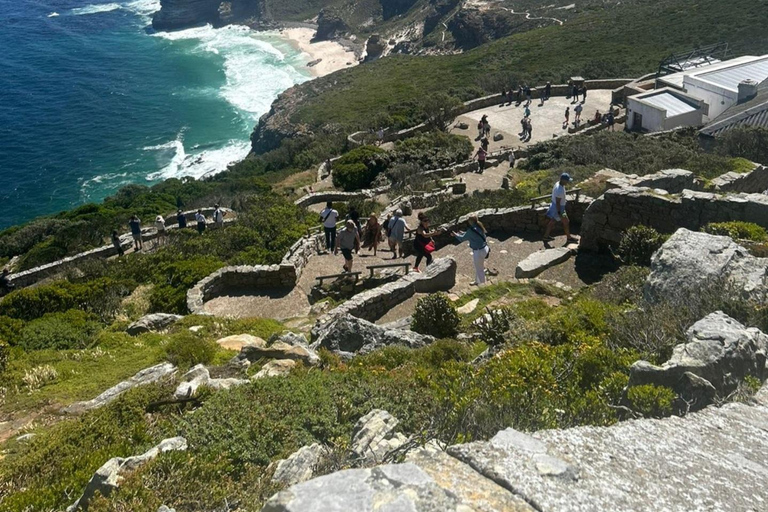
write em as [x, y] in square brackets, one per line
[540, 261]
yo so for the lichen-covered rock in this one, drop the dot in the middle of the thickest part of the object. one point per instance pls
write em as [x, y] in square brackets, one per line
[348, 335]
[145, 376]
[199, 376]
[276, 368]
[720, 351]
[300, 465]
[290, 338]
[238, 341]
[374, 436]
[540, 261]
[689, 260]
[281, 350]
[152, 323]
[107, 478]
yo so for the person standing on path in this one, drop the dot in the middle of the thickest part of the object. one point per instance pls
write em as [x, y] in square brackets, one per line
[160, 227]
[135, 225]
[329, 217]
[527, 112]
[354, 216]
[556, 212]
[423, 244]
[528, 130]
[201, 221]
[116, 243]
[480, 157]
[347, 241]
[484, 143]
[181, 219]
[547, 90]
[567, 117]
[578, 109]
[218, 217]
[478, 242]
[611, 120]
[396, 229]
[372, 234]
[584, 93]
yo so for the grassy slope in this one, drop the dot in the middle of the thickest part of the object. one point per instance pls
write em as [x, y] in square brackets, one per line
[627, 40]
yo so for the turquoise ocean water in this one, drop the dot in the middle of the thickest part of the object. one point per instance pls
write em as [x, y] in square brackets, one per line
[92, 99]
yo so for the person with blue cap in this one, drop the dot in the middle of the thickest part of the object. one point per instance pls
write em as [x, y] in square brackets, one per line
[556, 212]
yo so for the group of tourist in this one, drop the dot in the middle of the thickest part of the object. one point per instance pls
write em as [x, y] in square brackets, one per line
[162, 234]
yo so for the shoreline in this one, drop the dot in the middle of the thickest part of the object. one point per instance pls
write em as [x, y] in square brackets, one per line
[333, 56]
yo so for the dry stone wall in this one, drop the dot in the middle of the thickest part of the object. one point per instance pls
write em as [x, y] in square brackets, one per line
[619, 209]
[755, 181]
[232, 279]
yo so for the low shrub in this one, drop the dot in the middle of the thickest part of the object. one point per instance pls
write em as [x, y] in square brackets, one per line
[4, 349]
[432, 150]
[651, 401]
[436, 316]
[738, 230]
[174, 278]
[73, 329]
[625, 286]
[186, 349]
[638, 244]
[447, 211]
[357, 169]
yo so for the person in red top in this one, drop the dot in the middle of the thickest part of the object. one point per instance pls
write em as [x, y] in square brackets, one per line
[480, 157]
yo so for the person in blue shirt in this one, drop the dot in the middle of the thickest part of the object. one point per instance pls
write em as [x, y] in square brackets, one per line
[478, 242]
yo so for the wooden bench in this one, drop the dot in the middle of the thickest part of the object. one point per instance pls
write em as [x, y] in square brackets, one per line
[406, 266]
[336, 276]
[537, 200]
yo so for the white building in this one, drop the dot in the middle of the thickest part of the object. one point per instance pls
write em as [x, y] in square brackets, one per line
[716, 87]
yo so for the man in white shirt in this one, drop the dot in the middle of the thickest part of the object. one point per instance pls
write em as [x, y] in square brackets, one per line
[396, 229]
[329, 217]
[201, 221]
[218, 217]
[556, 212]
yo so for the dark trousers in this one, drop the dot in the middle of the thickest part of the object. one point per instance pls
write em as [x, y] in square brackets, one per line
[330, 238]
[200, 227]
[421, 254]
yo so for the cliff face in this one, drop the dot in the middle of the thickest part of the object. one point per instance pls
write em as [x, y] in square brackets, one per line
[179, 14]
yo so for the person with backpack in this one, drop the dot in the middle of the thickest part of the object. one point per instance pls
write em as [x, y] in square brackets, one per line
[202, 222]
[396, 228]
[478, 242]
[218, 217]
[135, 225]
[347, 241]
[181, 219]
[329, 217]
[423, 244]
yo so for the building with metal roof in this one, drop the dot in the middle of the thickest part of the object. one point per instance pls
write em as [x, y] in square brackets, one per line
[751, 111]
[664, 109]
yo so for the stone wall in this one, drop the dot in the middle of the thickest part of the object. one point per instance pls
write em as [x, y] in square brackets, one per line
[673, 181]
[619, 209]
[373, 304]
[335, 195]
[233, 279]
[755, 181]
[300, 252]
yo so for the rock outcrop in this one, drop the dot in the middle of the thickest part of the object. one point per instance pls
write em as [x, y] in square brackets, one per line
[374, 436]
[330, 25]
[719, 354]
[146, 376]
[152, 323]
[179, 14]
[300, 466]
[277, 368]
[199, 376]
[348, 335]
[238, 341]
[280, 350]
[107, 477]
[689, 260]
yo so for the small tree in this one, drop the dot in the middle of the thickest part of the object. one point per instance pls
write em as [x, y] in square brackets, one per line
[440, 110]
[638, 244]
[436, 316]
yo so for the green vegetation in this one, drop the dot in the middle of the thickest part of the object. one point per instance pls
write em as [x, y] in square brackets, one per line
[186, 349]
[72, 329]
[651, 401]
[357, 169]
[436, 315]
[638, 244]
[738, 230]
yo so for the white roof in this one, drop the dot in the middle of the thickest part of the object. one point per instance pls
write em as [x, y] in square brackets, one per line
[669, 102]
[676, 79]
[731, 77]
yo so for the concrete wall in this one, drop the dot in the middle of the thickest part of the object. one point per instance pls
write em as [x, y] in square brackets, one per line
[718, 98]
[617, 210]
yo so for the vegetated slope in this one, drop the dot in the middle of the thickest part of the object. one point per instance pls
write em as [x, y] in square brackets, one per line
[628, 40]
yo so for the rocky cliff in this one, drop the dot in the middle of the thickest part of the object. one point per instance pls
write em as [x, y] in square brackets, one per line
[180, 14]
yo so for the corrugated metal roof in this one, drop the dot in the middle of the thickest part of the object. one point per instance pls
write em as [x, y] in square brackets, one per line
[669, 102]
[676, 79]
[731, 77]
[758, 118]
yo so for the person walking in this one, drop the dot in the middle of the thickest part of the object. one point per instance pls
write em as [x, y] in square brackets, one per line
[527, 112]
[347, 241]
[484, 143]
[556, 212]
[480, 156]
[396, 229]
[567, 117]
[611, 120]
[578, 109]
[354, 216]
[527, 95]
[576, 94]
[117, 244]
[478, 242]
[218, 216]
[329, 217]
[547, 90]
[423, 244]
[584, 94]
[202, 222]
[372, 234]
[181, 219]
[135, 225]
[528, 130]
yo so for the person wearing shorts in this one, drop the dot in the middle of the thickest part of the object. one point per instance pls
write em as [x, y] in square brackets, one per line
[396, 228]
[135, 225]
[556, 212]
[347, 240]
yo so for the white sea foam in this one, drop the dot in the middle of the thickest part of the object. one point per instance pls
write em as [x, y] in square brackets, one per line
[53, 14]
[95, 8]
[197, 164]
[143, 7]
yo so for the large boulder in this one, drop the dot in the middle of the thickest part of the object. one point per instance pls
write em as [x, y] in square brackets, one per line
[719, 354]
[238, 341]
[152, 323]
[349, 335]
[280, 350]
[689, 260]
[145, 376]
[300, 466]
[374, 436]
[107, 478]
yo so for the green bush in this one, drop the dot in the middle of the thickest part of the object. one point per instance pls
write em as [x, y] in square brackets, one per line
[436, 315]
[432, 150]
[638, 244]
[625, 286]
[357, 169]
[651, 401]
[738, 230]
[73, 329]
[174, 279]
[3, 356]
[186, 349]
[448, 211]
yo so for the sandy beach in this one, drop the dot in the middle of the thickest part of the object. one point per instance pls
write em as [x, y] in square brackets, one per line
[333, 55]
